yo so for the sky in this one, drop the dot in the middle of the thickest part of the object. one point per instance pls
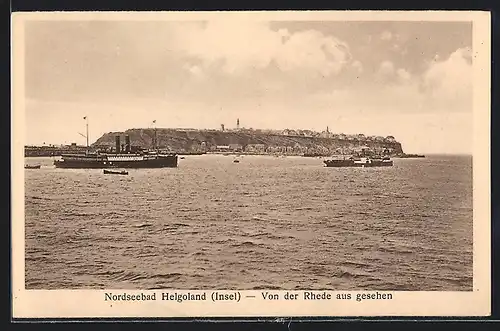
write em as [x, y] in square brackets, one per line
[411, 80]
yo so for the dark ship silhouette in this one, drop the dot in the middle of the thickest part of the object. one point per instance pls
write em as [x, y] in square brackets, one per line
[360, 162]
[363, 159]
[121, 158]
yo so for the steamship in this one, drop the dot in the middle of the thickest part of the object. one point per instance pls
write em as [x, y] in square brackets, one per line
[120, 158]
[360, 162]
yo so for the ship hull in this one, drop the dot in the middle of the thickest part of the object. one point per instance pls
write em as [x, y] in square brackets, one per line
[339, 163]
[169, 161]
[356, 164]
[381, 163]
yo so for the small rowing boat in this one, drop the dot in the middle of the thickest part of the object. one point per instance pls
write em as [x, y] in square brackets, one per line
[115, 172]
[32, 166]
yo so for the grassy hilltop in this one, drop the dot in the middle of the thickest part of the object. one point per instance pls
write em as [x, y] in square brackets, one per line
[251, 141]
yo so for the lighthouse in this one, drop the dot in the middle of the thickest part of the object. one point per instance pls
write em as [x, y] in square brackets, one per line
[237, 124]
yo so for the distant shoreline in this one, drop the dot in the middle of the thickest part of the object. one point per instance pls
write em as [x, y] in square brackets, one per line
[428, 155]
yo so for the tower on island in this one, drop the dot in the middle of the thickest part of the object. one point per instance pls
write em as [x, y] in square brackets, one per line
[237, 123]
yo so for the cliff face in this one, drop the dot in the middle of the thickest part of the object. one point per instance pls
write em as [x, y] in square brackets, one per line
[245, 140]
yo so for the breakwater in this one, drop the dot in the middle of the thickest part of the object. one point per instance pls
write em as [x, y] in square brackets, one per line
[32, 151]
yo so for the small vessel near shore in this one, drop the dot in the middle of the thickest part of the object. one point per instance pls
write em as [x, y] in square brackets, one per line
[360, 162]
[314, 155]
[411, 156]
[36, 166]
[115, 172]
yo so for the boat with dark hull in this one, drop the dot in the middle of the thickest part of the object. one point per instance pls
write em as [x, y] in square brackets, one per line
[411, 156]
[28, 166]
[360, 162]
[120, 159]
[314, 155]
[115, 172]
[101, 161]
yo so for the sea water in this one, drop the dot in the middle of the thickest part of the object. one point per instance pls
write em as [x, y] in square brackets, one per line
[263, 223]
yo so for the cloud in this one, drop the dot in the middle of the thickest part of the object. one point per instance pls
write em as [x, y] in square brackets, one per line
[358, 66]
[396, 48]
[242, 46]
[449, 82]
[403, 74]
[194, 70]
[386, 35]
[445, 86]
[386, 68]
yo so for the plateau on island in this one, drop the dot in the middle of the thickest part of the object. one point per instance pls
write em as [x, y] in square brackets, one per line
[251, 141]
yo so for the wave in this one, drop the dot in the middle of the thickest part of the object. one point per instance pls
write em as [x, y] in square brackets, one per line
[77, 214]
[303, 208]
[123, 275]
[355, 264]
[179, 224]
[267, 235]
[34, 197]
[348, 275]
[167, 276]
[267, 287]
[142, 225]
[174, 226]
[112, 214]
[396, 250]
[247, 244]
[220, 241]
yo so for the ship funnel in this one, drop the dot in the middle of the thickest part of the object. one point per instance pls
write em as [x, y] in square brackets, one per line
[127, 144]
[117, 142]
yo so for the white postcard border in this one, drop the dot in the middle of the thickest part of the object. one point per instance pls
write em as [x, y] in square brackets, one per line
[91, 303]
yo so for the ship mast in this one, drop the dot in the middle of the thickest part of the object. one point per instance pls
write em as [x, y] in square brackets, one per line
[155, 147]
[87, 133]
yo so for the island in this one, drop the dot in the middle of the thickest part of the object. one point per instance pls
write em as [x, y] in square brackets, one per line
[250, 141]
[305, 143]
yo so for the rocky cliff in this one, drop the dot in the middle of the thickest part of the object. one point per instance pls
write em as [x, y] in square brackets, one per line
[252, 141]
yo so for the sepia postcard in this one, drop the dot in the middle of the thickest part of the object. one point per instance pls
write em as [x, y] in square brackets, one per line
[250, 164]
